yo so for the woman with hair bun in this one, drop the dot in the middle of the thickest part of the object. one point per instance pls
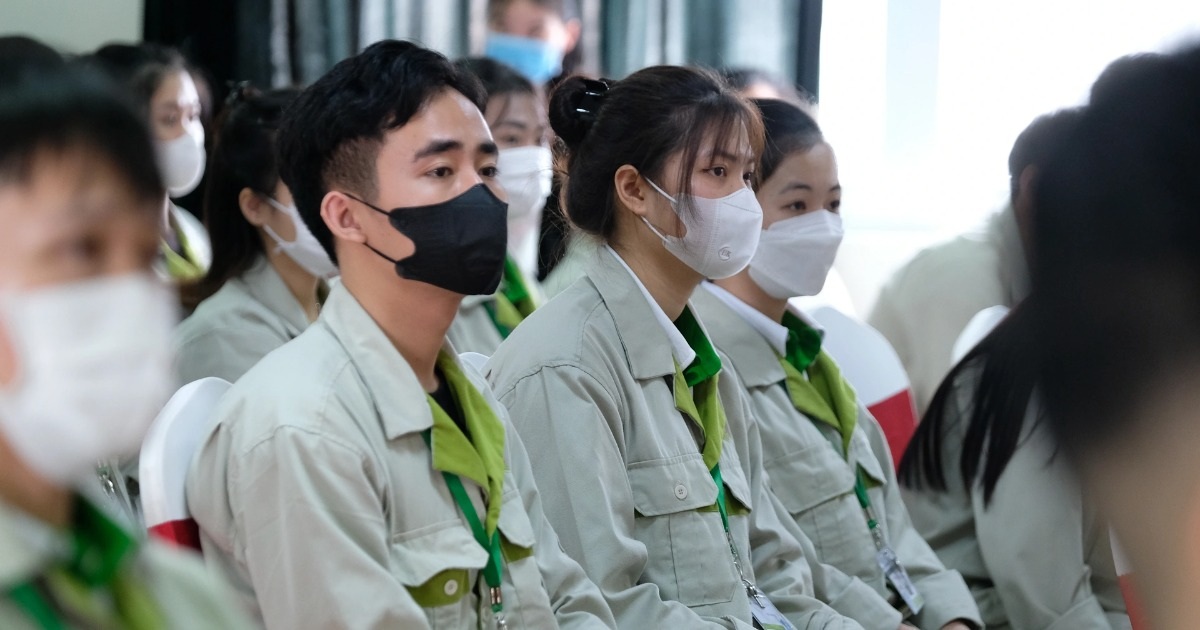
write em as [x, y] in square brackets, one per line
[649, 466]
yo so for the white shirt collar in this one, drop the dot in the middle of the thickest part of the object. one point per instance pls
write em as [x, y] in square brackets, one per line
[684, 355]
[775, 333]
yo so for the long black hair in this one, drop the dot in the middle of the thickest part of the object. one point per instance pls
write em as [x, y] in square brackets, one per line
[243, 157]
[995, 419]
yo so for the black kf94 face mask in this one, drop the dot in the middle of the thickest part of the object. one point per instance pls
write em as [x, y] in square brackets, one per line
[460, 243]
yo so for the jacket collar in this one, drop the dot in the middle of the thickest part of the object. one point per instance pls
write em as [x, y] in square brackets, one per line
[752, 355]
[266, 286]
[650, 339]
[398, 395]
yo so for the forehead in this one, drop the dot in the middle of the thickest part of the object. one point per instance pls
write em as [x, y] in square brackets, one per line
[516, 105]
[73, 184]
[448, 115]
[523, 13]
[176, 86]
[818, 165]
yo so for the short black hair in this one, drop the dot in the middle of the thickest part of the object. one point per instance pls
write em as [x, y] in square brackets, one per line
[1039, 141]
[788, 130]
[20, 55]
[71, 109]
[741, 78]
[497, 78]
[1118, 252]
[330, 136]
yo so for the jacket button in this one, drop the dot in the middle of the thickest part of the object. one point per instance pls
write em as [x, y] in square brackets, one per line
[680, 491]
[451, 587]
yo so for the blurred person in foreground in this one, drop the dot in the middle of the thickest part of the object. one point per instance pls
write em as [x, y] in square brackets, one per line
[1117, 334]
[926, 304]
[84, 362]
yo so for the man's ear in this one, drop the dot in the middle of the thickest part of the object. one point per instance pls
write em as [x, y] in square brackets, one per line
[340, 216]
[254, 207]
[631, 189]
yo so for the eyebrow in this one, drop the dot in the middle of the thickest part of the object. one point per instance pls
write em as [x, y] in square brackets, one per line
[512, 123]
[438, 147]
[802, 186]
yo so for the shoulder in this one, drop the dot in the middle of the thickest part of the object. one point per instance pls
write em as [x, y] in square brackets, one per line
[302, 384]
[573, 330]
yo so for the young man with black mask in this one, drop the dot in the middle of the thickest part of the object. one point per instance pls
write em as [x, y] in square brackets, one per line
[361, 476]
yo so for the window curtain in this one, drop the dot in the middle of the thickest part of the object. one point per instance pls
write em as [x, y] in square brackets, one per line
[779, 36]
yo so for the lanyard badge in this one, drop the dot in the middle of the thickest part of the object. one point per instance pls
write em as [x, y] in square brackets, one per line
[886, 557]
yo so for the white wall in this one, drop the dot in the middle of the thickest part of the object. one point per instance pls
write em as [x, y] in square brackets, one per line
[922, 100]
[73, 26]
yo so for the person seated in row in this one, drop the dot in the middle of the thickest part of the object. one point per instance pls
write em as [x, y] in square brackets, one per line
[361, 476]
[516, 115]
[642, 444]
[268, 271]
[827, 458]
[85, 361]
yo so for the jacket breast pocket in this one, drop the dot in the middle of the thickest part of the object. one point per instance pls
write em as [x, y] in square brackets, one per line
[689, 558]
[438, 565]
[815, 484]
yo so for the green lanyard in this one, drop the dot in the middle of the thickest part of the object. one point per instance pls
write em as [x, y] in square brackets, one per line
[28, 599]
[493, 571]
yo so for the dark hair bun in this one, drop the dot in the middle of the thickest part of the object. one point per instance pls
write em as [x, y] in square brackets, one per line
[574, 106]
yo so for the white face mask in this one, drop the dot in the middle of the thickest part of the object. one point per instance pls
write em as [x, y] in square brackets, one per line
[796, 254]
[722, 234]
[306, 250]
[94, 365]
[526, 173]
[182, 160]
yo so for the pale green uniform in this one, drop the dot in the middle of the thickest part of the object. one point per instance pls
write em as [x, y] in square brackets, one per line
[813, 471]
[96, 575]
[483, 321]
[595, 383]
[319, 498]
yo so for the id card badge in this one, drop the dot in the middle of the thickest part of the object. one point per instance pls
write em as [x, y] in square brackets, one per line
[898, 578]
[766, 616]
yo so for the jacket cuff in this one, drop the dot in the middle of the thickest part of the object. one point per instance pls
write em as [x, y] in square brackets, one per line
[947, 599]
[863, 604]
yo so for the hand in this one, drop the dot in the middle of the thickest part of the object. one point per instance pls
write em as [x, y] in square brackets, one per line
[956, 625]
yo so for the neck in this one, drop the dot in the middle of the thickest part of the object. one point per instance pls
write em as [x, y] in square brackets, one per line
[413, 315]
[748, 291]
[301, 284]
[29, 492]
[669, 281]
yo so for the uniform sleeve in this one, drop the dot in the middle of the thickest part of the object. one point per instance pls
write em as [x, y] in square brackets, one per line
[1032, 541]
[227, 353]
[780, 553]
[947, 597]
[575, 600]
[315, 537]
[561, 415]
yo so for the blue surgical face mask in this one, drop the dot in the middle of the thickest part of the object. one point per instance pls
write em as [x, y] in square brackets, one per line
[538, 60]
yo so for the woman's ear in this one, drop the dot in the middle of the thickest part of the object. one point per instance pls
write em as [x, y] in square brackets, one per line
[631, 189]
[256, 210]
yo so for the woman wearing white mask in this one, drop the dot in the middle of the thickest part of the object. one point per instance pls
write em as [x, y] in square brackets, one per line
[266, 279]
[84, 363]
[161, 84]
[827, 457]
[516, 115]
[649, 467]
